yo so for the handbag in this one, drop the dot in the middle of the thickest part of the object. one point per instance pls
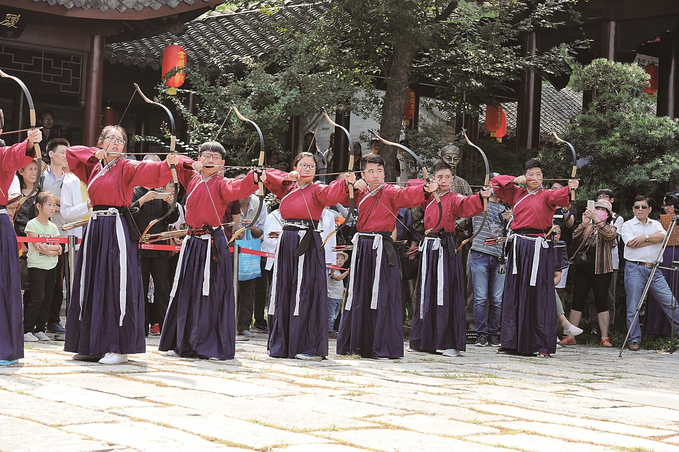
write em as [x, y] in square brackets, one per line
[23, 272]
[249, 265]
[579, 258]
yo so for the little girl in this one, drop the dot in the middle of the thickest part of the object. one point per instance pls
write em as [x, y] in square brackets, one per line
[42, 268]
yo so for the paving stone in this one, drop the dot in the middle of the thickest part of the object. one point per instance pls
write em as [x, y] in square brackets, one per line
[212, 384]
[401, 440]
[537, 443]
[44, 389]
[587, 436]
[436, 425]
[276, 412]
[340, 406]
[233, 430]
[20, 435]
[147, 437]
[540, 416]
[48, 412]
[314, 448]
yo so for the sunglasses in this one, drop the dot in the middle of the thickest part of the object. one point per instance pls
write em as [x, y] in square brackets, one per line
[640, 207]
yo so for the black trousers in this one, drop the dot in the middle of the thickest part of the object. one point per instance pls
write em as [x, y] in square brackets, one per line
[159, 268]
[58, 291]
[245, 302]
[262, 294]
[36, 311]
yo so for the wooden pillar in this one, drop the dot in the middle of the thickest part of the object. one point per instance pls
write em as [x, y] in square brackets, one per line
[95, 77]
[292, 138]
[609, 40]
[530, 96]
[667, 76]
[340, 156]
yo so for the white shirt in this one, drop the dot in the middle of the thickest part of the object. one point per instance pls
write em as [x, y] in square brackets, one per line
[15, 188]
[614, 252]
[73, 208]
[327, 226]
[252, 209]
[273, 223]
[634, 228]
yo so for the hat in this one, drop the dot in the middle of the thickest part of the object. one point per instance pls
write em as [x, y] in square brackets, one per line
[346, 256]
[605, 204]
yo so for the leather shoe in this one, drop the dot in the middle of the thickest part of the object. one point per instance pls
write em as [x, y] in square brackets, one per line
[634, 346]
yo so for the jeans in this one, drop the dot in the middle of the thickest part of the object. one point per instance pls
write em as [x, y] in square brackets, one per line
[635, 281]
[488, 287]
[334, 305]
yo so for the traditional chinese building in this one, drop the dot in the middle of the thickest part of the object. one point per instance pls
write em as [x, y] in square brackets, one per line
[57, 48]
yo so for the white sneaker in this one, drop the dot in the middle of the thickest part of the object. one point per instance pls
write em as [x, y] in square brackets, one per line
[29, 337]
[572, 331]
[171, 353]
[307, 357]
[113, 358]
[451, 352]
[42, 336]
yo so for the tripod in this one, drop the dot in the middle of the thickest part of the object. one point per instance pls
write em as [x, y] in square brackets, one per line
[656, 264]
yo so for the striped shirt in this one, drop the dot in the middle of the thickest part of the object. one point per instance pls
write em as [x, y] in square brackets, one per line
[492, 228]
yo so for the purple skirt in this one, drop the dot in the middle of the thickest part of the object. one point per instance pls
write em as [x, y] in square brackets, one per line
[197, 325]
[439, 327]
[657, 323]
[306, 331]
[11, 309]
[98, 332]
[372, 333]
[529, 323]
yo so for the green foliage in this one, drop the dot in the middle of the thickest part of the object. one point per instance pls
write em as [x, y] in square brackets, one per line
[329, 54]
[629, 148]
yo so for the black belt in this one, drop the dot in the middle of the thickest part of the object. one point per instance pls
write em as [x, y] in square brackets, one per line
[447, 242]
[307, 243]
[530, 231]
[391, 250]
[103, 207]
[207, 229]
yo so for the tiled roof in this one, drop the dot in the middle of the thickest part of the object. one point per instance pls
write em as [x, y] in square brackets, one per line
[233, 34]
[120, 5]
[556, 109]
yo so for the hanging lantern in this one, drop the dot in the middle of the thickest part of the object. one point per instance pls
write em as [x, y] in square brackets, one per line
[502, 130]
[174, 57]
[652, 70]
[493, 118]
[109, 117]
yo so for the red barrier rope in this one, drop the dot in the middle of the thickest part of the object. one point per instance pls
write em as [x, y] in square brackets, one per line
[150, 246]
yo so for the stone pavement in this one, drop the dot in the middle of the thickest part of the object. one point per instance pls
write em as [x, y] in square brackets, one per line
[582, 399]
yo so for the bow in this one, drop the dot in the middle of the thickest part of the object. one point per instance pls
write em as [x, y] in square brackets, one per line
[424, 173]
[262, 154]
[173, 142]
[485, 183]
[575, 162]
[350, 168]
[31, 106]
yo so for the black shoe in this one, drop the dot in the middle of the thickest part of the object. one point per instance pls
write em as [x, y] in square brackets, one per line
[56, 328]
[482, 340]
[259, 327]
[594, 332]
[494, 340]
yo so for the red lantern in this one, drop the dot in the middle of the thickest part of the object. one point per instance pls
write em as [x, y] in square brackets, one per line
[493, 118]
[409, 107]
[174, 56]
[652, 70]
[502, 131]
[109, 117]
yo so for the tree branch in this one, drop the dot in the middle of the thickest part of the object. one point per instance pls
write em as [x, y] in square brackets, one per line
[445, 14]
[369, 45]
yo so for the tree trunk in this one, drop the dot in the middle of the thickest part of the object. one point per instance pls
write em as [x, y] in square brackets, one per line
[394, 100]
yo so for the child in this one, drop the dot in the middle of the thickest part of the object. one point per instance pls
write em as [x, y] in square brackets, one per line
[335, 292]
[42, 268]
[560, 275]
